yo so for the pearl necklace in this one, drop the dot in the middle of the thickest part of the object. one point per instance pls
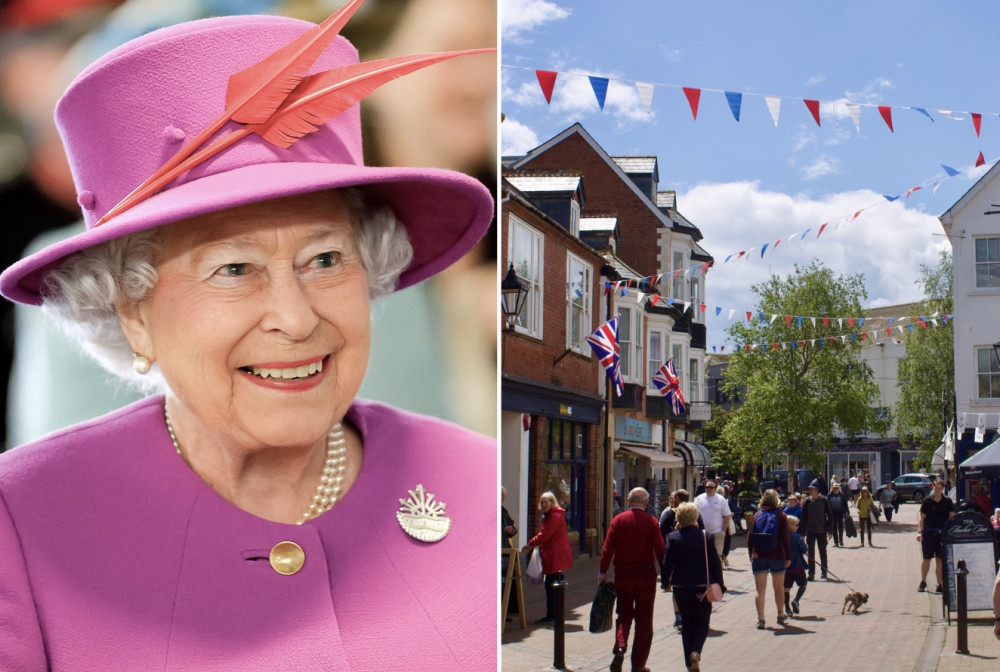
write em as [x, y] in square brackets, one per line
[328, 490]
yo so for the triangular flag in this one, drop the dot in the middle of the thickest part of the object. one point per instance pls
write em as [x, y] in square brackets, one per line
[693, 96]
[645, 94]
[547, 80]
[813, 106]
[749, 316]
[977, 120]
[889, 198]
[820, 233]
[788, 320]
[886, 112]
[980, 160]
[951, 171]
[600, 86]
[763, 249]
[912, 189]
[774, 107]
[718, 310]
[855, 216]
[735, 101]
[950, 115]
[854, 110]
[732, 311]
[923, 112]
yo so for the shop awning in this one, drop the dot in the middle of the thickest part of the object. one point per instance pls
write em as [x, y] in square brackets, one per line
[657, 457]
[694, 454]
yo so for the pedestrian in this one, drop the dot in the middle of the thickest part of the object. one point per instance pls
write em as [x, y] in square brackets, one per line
[700, 488]
[668, 523]
[889, 499]
[770, 551]
[935, 511]
[839, 507]
[864, 506]
[715, 513]
[793, 505]
[691, 563]
[796, 572]
[853, 488]
[817, 521]
[635, 545]
[507, 528]
[553, 541]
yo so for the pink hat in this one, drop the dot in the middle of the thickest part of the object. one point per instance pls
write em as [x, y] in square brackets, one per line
[137, 106]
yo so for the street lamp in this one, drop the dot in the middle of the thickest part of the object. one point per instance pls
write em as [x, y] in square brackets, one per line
[512, 296]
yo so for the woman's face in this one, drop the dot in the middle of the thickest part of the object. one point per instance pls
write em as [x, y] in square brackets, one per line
[260, 319]
[546, 505]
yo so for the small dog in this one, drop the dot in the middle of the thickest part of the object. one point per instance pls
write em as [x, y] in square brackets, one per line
[853, 600]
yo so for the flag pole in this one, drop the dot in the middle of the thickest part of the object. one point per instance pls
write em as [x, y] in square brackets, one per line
[608, 491]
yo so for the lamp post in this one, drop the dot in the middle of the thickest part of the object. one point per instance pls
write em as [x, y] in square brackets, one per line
[996, 350]
[512, 297]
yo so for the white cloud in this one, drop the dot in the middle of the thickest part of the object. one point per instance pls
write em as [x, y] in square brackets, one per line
[516, 138]
[887, 243]
[519, 16]
[821, 166]
[574, 96]
[814, 80]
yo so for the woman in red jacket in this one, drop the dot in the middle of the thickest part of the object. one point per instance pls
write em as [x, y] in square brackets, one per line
[556, 555]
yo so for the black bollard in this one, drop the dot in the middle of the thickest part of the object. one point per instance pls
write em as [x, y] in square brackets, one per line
[559, 631]
[963, 620]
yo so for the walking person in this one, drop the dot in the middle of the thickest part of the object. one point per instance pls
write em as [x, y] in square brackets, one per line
[727, 543]
[668, 523]
[889, 499]
[839, 507]
[793, 505]
[770, 553]
[557, 557]
[817, 521]
[796, 572]
[935, 511]
[853, 488]
[635, 545]
[864, 506]
[715, 513]
[691, 563]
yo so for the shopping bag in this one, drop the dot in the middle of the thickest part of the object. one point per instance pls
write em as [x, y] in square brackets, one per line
[534, 570]
[849, 528]
[603, 607]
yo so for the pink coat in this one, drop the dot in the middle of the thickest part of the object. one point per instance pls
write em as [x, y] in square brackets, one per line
[116, 556]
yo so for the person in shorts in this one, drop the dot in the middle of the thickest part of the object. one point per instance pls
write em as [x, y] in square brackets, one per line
[934, 513]
[773, 562]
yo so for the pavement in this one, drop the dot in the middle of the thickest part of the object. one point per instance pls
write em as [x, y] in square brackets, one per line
[898, 629]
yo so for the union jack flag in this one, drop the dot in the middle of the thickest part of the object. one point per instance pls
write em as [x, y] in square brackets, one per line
[604, 343]
[670, 387]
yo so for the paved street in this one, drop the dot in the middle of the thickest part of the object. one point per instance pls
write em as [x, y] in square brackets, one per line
[899, 628]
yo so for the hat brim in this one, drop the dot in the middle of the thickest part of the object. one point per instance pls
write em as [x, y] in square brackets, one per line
[445, 213]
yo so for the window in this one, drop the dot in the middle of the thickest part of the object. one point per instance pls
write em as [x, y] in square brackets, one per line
[678, 357]
[578, 304]
[655, 350]
[625, 341]
[526, 253]
[574, 217]
[987, 262]
[677, 290]
[694, 388]
[696, 299]
[638, 329]
[987, 373]
[566, 453]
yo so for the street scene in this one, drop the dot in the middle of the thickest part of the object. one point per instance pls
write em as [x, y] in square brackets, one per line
[897, 629]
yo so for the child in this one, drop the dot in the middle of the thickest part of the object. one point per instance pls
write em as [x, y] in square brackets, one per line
[796, 572]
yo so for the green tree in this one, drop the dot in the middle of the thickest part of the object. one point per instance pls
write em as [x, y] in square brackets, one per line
[927, 370]
[814, 380]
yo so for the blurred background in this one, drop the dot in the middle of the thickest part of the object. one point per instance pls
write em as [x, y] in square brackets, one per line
[434, 345]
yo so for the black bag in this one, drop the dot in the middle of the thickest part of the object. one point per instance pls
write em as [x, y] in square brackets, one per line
[849, 528]
[602, 610]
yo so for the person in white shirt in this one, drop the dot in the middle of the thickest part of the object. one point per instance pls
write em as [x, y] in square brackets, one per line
[853, 487]
[715, 513]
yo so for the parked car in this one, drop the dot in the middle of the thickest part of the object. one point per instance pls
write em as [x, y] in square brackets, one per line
[910, 487]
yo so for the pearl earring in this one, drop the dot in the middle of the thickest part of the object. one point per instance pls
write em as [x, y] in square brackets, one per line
[140, 364]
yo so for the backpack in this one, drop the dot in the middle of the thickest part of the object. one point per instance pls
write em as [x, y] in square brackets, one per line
[765, 531]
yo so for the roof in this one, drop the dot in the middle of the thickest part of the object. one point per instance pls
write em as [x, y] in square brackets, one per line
[547, 183]
[636, 164]
[666, 199]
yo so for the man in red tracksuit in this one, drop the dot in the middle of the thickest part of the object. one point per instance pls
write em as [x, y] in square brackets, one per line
[636, 545]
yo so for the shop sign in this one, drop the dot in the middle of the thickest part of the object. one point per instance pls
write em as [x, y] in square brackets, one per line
[628, 429]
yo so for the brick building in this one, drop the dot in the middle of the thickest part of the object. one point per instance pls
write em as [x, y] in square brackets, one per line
[574, 216]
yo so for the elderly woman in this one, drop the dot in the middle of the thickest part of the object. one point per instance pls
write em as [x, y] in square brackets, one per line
[553, 540]
[690, 565]
[253, 514]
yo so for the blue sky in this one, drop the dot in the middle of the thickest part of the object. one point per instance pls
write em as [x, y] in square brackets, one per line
[751, 182]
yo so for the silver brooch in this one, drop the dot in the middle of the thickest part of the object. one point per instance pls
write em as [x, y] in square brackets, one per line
[422, 518]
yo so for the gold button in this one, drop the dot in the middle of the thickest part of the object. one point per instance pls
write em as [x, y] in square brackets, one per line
[287, 558]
